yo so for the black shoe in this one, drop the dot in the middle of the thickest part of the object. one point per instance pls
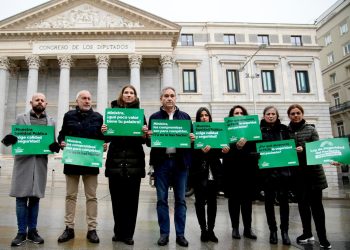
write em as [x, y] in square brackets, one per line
[128, 241]
[248, 233]
[19, 240]
[35, 237]
[325, 244]
[212, 237]
[92, 236]
[273, 238]
[305, 238]
[181, 240]
[235, 233]
[163, 240]
[285, 238]
[67, 235]
[204, 236]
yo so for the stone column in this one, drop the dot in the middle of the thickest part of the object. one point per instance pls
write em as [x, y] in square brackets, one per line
[286, 86]
[319, 81]
[102, 83]
[215, 87]
[135, 64]
[167, 65]
[33, 62]
[65, 62]
[4, 78]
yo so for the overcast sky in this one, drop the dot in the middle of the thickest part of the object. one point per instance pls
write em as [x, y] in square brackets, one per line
[261, 11]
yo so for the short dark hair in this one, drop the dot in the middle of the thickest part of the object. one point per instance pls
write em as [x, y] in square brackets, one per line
[198, 114]
[245, 112]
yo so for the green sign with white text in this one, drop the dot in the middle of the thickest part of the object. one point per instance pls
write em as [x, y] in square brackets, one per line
[211, 134]
[327, 151]
[83, 152]
[277, 154]
[124, 121]
[32, 139]
[246, 126]
[171, 133]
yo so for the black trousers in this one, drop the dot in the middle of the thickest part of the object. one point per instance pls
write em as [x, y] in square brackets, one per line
[206, 195]
[310, 205]
[282, 196]
[125, 200]
[243, 205]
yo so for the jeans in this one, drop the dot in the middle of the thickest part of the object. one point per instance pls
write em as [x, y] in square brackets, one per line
[165, 174]
[27, 210]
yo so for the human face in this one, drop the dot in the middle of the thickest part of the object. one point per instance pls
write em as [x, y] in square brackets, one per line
[168, 99]
[84, 101]
[295, 115]
[270, 115]
[237, 112]
[204, 116]
[129, 95]
[38, 103]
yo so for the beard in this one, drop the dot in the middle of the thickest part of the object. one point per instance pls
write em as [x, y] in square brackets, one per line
[39, 109]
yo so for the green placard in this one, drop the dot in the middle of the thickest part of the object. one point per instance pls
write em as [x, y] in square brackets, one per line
[124, 121]
[277, 154]
[327, 151]
[246, 126]
[212, 134]
[171, 133]
[83, 152]
[32, 139]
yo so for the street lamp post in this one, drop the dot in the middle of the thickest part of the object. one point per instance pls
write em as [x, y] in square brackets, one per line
[251, 75]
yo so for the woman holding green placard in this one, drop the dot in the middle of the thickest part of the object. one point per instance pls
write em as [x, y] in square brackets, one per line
[240, 163]
[125, 166]
[310, 179]
[275, 181]
[204, 175]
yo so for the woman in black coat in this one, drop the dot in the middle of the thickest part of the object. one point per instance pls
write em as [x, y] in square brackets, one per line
[240, 165]
[125, 166]
[204, 174]
[310, 179]
[275, 181]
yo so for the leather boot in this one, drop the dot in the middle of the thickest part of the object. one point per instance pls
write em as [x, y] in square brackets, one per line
[273, 238]
[285, 238]
[235, 233]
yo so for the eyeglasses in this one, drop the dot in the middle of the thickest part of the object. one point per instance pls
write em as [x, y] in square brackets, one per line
[295, 113]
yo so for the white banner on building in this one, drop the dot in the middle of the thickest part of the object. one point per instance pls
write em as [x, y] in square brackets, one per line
[84, 47]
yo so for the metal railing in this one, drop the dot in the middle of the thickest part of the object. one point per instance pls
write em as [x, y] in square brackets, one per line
[341, 107]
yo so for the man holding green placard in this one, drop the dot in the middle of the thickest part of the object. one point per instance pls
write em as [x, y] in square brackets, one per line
[29, 175]
[170, 168]
[82, 122]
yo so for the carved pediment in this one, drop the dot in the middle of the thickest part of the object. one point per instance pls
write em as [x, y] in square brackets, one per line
[84, 16]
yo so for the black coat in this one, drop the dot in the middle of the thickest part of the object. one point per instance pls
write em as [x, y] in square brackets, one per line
[201, 162]
[85, 125]
[240, 167]
[125, 155]
[158, 155]
[275, 178]
[307, 176]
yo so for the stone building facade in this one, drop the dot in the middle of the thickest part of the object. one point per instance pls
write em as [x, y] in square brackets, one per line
[64, 46]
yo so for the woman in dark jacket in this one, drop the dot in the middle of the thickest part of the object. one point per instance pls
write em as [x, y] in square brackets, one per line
[275, 181]
[310, 179]
[204, 178]
[125, 166]
[240, 163]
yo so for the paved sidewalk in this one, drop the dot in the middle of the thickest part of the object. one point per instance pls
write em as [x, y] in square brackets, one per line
[51, 222]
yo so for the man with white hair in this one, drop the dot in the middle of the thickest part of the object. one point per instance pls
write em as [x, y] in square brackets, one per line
[85, 123]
